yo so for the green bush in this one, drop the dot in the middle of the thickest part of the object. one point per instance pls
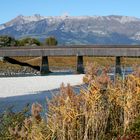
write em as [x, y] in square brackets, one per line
[29, 42]
[51, 41]
[11, 119]
[7, 41]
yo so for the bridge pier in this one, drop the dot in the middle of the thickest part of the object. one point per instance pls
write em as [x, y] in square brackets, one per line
[118, 66]
[44, 67]
[80, 65]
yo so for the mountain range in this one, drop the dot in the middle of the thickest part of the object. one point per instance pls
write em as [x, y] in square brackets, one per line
[76, 29]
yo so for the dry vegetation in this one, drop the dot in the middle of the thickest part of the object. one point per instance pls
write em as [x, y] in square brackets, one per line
[106, 110]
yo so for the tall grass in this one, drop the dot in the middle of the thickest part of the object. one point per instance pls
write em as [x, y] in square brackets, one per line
[106, 110]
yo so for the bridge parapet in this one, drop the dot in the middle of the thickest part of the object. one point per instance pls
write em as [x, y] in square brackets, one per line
[102, 50]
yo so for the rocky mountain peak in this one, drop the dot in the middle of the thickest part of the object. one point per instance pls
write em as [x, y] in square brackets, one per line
[67, 29]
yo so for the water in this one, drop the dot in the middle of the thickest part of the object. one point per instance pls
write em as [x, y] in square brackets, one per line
[18, 102]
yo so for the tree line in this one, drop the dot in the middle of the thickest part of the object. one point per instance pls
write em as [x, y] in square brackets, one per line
[7, 41]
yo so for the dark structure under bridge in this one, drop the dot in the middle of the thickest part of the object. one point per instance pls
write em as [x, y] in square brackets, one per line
[116, 51]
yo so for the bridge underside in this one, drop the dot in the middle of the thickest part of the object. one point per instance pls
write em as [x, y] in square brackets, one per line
[44, 64]
[44, 67]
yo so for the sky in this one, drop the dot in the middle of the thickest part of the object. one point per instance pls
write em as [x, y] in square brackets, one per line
[9, 9]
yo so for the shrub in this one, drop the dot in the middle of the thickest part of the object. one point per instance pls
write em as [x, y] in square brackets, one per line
[11, 119]
[51, 41]
[7, 41]
[29, 42]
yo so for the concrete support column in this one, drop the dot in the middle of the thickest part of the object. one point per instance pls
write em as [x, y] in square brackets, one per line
[44, 67]
[80, 66]
[118, 66]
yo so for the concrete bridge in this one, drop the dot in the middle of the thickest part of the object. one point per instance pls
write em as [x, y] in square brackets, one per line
[117, 51]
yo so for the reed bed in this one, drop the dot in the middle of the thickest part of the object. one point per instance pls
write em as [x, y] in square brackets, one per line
[105, 110]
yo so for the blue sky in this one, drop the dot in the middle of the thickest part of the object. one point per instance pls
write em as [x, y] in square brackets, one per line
[12, 8]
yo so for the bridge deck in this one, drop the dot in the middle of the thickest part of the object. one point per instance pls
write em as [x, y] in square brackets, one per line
[82, 50]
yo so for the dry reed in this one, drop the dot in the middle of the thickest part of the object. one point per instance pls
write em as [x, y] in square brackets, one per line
[103, 111]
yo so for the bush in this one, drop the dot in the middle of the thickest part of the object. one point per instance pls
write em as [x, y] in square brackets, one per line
[51, 41]
[7, 41]
[10, 119]
[29, 42]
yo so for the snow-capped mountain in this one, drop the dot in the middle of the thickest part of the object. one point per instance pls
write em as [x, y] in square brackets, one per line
[76, 30]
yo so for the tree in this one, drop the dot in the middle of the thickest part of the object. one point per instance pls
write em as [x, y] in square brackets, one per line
[7, 41]
[29, 42]
[51, 41]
